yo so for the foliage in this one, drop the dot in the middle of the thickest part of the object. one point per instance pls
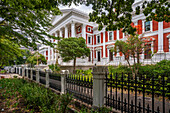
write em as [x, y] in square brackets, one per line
[65, 100]
[33, 59]
[20, 60]
[21, 19]
[9, 51]
[3, 71]
[71, 48]
[132, 47]
[119, 69]
[162, 67]
[55, 67]
[36, 97]
[119, 12]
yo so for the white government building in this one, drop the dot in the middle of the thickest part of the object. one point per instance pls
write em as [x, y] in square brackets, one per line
[74, 23]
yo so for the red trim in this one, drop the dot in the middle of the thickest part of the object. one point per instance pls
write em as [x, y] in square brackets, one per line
[120, 34]
[106, 36]
[77, 29]
[101, 37]
[155, 25]
[87, 29]
[155, 43]
[139, 27]
[115, 35]
[166, 25]
[166, 42]
[94, 39]
[86, 38]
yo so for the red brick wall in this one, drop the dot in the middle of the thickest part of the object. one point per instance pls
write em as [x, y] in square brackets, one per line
[94, 39]
[140, 26]
[86, 38]
[101, 37]
[106, 36]
[115, 35]
[120, 34]
[155, 25]
[166, 25]
[166, 42]
[155, 44]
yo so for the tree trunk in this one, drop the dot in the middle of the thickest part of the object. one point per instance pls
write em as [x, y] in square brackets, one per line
[74, 66]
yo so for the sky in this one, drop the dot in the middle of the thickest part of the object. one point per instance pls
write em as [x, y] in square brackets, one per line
[80, 7]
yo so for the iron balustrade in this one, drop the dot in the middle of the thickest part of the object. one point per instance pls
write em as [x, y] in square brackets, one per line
[137, 94]
[80, 87]
[55, 81]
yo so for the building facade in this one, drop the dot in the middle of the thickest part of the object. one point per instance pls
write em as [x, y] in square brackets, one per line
[74, 23]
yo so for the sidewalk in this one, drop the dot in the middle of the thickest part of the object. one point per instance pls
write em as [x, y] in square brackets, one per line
[9, 75]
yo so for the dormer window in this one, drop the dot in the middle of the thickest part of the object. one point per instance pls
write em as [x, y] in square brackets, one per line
[89, 29]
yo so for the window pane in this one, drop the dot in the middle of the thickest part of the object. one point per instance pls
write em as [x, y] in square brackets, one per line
[89, 40]
[110, 35]
[147, 26]
[98, 56]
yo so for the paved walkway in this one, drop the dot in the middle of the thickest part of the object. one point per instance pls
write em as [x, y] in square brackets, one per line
[9, 75]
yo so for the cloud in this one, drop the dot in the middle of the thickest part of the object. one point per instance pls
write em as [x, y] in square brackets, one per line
[86, 9]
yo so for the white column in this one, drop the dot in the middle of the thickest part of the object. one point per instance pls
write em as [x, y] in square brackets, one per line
[152, 47]
[45, 53]
[143, 26]
[160, 37]
[72, 29]
[66, 32]
[49, 54]
[84, 32]
[61, 33]
[151, 24]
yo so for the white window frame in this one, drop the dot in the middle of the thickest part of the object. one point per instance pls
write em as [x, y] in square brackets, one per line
[88, 29]
[109, 35]
[97, 39]
[90, 40]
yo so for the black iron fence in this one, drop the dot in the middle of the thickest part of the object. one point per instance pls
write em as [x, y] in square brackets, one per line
[137, 93]
[55, 81]
[123, 92]
[42, 77]
[34, 74]
[80, 87]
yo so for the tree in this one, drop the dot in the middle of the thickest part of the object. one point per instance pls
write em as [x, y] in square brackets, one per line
[9, 51]
[117, 14]
[132, 47]
[20, 60]
[71, 48]
[23, 19]
[33, 59]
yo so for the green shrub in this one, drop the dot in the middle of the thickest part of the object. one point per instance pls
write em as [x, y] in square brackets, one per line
[3, 71]
[54, 68]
